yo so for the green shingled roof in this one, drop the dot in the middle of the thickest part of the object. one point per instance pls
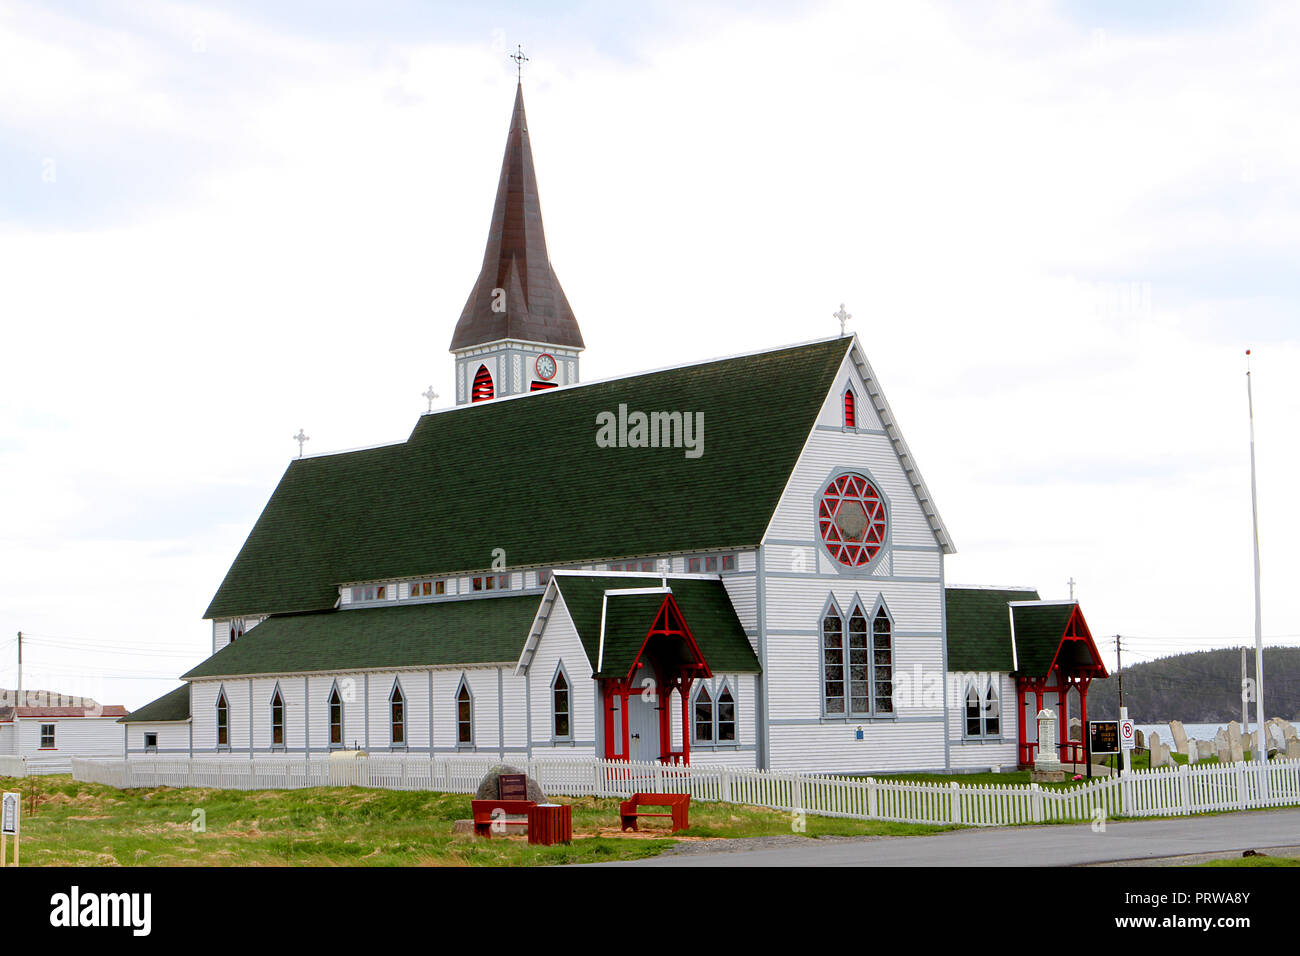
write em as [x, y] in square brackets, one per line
[979, 628]
[1039, 629]
[525, 475]
[474, 631]
[704, 604]
[173, 705]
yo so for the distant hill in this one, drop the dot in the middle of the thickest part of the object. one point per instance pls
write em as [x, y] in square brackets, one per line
[1202, 687]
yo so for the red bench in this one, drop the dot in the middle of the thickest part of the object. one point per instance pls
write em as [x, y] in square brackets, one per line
[485, 814]
[679, 805]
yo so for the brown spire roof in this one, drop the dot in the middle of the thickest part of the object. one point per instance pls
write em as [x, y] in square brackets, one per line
[515, 260]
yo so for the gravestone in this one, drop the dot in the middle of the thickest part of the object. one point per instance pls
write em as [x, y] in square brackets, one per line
[1139, 739]
[1047, 766]
[1178, 735]
[1276, 739]
[1193, 751]
[1288, 728]
[1235, 750]
[1221, 739]
[1205, 749]
[1076, 728]
[1224, 753]
[1293, 748]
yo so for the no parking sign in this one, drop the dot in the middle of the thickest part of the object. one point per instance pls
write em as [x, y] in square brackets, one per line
[1127, 739]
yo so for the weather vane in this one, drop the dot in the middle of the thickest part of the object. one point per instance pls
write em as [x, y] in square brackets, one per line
[520, 60]
[300, 438]
[430, 395]
[842, 316]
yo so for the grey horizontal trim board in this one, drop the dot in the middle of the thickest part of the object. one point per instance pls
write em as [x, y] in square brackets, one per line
[814, 632]
[861, 577]
[982, 740]
[852, 721]
[813, 543]
[843, 429]
[723, 748]
[548, 744]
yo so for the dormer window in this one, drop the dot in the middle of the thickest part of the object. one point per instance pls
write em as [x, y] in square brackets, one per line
[428, 588]
[236, 630]
[372, 592]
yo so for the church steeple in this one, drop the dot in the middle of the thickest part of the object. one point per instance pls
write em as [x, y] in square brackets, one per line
[516, 309]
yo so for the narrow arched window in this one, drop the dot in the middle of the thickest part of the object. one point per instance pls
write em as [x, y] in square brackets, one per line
[336, 718]
[833, 663]
[882, 663]
[859, 665]
[223, 720]
[464, 715]
[560, 707]
[482, 390]
[992, 710]
[397, 716]
[850, 409]
[703, 716]
[973, 722]
[277, 719]
[726, 716]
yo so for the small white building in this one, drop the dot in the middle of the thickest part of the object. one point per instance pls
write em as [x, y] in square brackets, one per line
[733, 561]
[48, 730]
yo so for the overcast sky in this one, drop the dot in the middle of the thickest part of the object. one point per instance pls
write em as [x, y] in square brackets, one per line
[1058, 226]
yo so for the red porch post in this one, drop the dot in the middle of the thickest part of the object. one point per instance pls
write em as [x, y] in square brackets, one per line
[686, 720]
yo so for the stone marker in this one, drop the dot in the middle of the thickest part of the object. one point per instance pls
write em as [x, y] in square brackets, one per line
[1224, 754]
[1193, 751]
[1140, 739]
[1178, 735]
[1293, 748]
[1205, 749]
[1076, 728]
[1288, 728]
[488, 787]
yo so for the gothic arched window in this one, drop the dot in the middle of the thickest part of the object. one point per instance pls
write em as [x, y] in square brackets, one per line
[483, 389]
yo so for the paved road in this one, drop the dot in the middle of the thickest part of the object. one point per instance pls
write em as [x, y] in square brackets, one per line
[1018, 846]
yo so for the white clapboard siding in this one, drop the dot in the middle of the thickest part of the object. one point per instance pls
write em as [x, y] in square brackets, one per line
[173, 736]
[559, 643]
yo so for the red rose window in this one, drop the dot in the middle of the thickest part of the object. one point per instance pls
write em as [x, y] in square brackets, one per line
[851, 518]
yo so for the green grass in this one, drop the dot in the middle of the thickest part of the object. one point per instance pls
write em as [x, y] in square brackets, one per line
[1255, 861]
[78, 824]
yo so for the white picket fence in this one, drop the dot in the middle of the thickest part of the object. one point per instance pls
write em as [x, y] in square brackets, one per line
[1162, 792]
[18, 766]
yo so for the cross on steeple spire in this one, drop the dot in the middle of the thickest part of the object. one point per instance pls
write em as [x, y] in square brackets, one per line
[430, 395]
[520, 60]
[300, 438]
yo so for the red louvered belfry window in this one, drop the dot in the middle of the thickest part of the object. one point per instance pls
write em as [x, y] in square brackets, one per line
[850, 418]
[482, 390]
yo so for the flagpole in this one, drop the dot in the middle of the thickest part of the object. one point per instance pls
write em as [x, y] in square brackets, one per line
[1261, 750]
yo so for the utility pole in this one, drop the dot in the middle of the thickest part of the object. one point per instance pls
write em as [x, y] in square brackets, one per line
[1262, 754]
[1119, 672]
[18, 745]
[1245, 695]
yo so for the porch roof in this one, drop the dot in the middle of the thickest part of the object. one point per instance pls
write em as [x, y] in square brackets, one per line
[705, 607]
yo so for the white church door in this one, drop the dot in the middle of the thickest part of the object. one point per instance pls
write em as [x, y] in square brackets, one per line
[643, 727]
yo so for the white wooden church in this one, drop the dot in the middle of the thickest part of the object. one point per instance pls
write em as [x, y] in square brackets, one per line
[709, 572]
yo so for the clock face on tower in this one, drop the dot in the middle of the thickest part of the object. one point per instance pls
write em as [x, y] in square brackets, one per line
[851, 519]
[545, 366]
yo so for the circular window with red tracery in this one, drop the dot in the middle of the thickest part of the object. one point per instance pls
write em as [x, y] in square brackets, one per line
[851, 518]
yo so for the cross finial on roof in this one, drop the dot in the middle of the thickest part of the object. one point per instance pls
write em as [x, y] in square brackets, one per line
[430, 395]
[1071, 582]
[300, 438]
[520, 60]
[842, 316]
